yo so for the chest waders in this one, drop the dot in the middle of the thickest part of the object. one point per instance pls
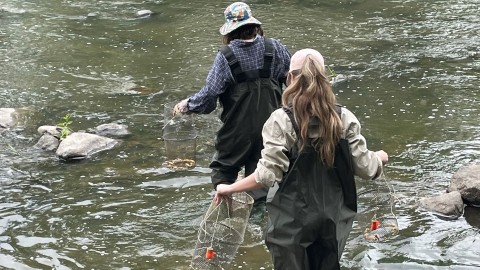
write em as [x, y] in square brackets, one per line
[311, 213]
[247, 104]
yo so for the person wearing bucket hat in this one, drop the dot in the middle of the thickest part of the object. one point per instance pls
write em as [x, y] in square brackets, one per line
[313, 148]
[236, 15]
[247, 78]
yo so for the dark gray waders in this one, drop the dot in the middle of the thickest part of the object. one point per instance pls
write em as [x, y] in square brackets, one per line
[311, 213]
[247, 104]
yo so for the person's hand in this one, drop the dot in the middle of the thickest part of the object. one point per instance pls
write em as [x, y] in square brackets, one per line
[383, 156]
[222, 190]
[180, 107]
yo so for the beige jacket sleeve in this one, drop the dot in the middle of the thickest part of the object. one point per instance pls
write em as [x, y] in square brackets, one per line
[279, 137]
[366, 164]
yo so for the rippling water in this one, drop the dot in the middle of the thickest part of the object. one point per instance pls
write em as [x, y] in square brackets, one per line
[412, 69]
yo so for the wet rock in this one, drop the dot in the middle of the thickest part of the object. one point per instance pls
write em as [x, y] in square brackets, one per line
[7, 118]
[144, 13]
[448, 204]
[141, 89]
[111, 129]
[7, 247]
[12, 10]
[47, 142]
[467, 181]
[50, 130]
[472, 216]
[340, 78]
[82, 145]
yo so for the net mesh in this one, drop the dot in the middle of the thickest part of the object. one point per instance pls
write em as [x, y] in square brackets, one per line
[383, 222]
[180, 137]
[381, 228]
[221, 232]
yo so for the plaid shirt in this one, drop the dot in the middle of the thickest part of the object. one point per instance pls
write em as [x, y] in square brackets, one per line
[250, 56]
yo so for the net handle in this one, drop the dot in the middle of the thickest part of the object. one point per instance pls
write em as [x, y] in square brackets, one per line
[391, 190]
[209, 213]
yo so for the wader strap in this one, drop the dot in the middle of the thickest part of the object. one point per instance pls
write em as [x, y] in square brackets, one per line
[338, 109]
[235, 67]
[267, 59]
[292, 119]
[241, 76]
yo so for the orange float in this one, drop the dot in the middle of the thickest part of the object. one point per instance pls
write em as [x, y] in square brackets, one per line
[374, 224]
[210, 254]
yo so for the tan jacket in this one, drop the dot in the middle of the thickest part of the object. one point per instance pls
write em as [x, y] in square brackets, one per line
[279, 137]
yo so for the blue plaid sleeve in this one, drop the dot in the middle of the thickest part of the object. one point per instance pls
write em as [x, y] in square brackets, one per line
[205, 100]
[282, 66]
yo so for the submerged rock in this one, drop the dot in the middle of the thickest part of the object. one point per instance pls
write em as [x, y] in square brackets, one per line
[472, 216]
[144, 13]
[111, 129]
[340, 78]
[7, 118]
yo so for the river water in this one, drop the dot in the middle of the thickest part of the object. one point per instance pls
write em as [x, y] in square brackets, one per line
[413, 77]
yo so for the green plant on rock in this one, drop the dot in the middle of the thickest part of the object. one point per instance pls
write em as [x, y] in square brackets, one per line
[65, 126]
[332, 72]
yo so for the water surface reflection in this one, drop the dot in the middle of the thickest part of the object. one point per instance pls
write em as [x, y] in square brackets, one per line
[412, 71]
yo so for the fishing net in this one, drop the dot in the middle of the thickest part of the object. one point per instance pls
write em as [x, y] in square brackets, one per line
[221, 232]
[180, 137]
[383, 221]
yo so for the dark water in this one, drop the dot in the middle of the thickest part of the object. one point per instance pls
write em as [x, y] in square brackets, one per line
[413, 82]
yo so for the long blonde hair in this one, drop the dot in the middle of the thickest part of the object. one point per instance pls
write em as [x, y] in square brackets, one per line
[308, 95]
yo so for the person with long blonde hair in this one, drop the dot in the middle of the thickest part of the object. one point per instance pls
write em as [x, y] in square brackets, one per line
[313, 149]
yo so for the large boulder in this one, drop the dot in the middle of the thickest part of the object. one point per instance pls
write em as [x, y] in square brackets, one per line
[467, 181]
[82, 145]
[448, 204]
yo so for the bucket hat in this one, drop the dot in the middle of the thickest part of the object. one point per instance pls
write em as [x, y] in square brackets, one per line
[236, 15]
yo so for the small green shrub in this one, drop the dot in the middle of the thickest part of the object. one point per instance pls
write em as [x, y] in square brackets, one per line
[332, 72]
[65, 126]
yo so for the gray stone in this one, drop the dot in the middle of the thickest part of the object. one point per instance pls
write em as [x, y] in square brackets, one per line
[340, 78]
[7, 117]
[467, 181]
[51, 130]
[111, 129]
[82, 145]
[144, 13]
[47, 142]
[448, 204]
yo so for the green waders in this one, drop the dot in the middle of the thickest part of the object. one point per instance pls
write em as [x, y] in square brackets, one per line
[247, 104]
[311, 213]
